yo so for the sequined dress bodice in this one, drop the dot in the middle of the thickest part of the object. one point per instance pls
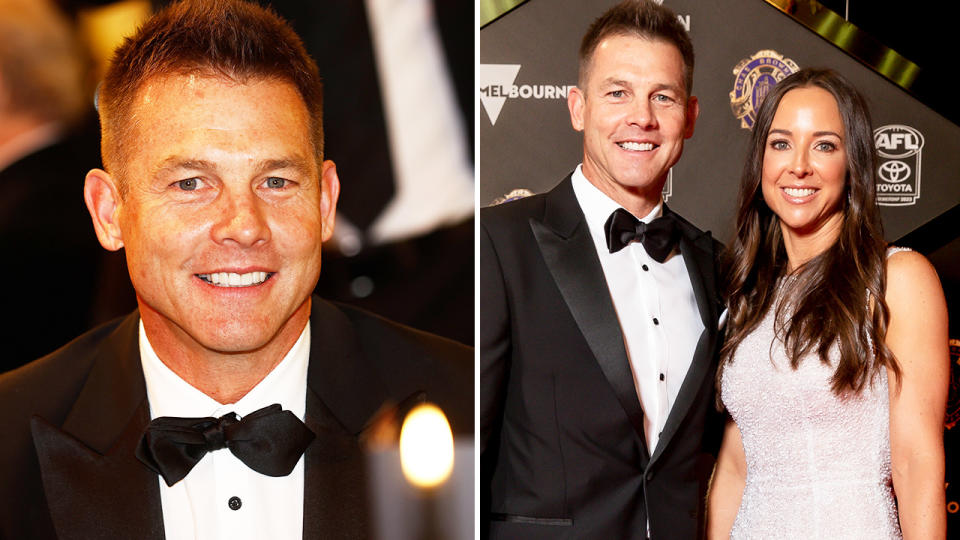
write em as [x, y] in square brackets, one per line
[818, 464]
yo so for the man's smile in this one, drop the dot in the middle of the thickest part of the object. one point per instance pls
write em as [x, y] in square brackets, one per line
[636, 146]
[233, 279]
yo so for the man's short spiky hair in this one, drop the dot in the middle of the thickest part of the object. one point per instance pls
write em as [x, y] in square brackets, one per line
[640, 18]
[232, 39]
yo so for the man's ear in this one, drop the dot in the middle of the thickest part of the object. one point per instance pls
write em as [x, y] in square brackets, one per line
[329, 192]
[575, 99]
[102, 196]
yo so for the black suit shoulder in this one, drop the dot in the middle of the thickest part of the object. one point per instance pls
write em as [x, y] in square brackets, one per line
[46, 387]
[49, 385]
[515, 211]
[399, 335]
[508, 224]
[409, 361]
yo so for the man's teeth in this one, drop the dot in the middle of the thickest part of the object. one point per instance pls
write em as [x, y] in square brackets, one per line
[232, 279]
[629, 145]
[798, 192]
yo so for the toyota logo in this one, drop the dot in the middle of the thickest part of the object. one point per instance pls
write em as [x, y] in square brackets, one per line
[894, 171]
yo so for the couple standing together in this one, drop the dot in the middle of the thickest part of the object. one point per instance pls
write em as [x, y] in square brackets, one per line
[638, 380]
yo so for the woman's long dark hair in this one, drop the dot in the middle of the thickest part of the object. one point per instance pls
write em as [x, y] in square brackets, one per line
[836, 297]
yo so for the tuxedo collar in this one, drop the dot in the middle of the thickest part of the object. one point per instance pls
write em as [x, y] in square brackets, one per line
[344, 393]
[113, 391]
[697, 248]
[570, 255]
[338, 369]
[115, 387]
[95, 486]
[561, 212]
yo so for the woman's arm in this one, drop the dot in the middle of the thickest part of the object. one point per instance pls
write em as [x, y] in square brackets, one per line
[917, 335]
[726, 486]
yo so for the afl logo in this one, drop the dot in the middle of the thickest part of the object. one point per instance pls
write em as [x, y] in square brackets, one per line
[899, 150]
[755, 76]
[897, 141]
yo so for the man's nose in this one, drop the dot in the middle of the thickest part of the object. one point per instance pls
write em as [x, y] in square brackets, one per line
[240, 220]
[641, 114]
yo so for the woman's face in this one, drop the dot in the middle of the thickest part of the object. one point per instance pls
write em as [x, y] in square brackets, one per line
[805, 163]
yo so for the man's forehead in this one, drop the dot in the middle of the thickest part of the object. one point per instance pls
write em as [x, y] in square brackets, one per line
[193, 80]
[184, 118]
[216, 93]
[615, 42]
[612, 45]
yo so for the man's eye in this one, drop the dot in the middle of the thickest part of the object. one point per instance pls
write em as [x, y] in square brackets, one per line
[617, 94]
[276, 183]
[189, 184]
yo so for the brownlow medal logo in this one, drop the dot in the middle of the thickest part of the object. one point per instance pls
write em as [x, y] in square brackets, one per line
[754, 77]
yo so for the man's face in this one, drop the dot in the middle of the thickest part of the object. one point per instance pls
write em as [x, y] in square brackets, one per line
[225, 212]
[634, 113]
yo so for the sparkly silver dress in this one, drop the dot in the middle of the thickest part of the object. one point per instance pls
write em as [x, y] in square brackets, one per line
[818, 464]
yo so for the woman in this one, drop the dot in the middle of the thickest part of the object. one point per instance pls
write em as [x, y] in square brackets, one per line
[836, 368]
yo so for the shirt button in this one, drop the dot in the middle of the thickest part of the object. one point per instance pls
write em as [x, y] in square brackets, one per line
[645, 268]
[234, 503]
[656, 321]
[661, 376]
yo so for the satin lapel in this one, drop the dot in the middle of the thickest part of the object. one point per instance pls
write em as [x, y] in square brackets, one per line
[95, 486]
[335, 501]
[569, 253]
[698, 255]
[343, 394]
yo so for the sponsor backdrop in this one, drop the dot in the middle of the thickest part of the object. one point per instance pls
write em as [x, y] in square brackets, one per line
[528, 62]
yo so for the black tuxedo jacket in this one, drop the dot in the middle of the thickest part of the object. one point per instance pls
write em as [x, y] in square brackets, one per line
[563, 452]
[71, 422]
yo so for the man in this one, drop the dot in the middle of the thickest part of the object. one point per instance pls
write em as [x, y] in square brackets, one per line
[597, 360]
[216, 187]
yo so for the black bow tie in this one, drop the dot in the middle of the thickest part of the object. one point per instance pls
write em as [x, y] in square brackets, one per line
[269, 441]
[658, 237]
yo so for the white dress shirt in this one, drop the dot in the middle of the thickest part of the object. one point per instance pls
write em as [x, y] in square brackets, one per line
[199, 506]
[655, 306]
